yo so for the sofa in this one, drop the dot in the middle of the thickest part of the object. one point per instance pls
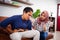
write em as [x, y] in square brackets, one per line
[4, 33]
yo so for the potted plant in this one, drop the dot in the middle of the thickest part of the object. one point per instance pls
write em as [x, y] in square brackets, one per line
[36, 14]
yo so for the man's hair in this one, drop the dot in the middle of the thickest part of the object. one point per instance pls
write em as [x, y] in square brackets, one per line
[27, 9]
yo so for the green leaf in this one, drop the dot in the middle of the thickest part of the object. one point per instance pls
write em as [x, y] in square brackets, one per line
[35, 14]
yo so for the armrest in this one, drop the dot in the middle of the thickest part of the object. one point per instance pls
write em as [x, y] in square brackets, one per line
[4, 30]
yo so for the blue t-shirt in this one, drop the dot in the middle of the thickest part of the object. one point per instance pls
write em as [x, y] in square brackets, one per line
[17, 23]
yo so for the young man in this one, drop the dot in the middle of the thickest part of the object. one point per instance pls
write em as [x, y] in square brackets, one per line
[21, 26]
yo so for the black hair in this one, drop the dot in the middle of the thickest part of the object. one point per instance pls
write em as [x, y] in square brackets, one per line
[27, 9]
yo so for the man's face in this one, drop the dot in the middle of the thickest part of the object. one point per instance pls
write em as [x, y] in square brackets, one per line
[27, 15]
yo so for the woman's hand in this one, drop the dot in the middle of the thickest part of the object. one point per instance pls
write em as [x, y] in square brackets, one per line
[44, 27]
[34, 27]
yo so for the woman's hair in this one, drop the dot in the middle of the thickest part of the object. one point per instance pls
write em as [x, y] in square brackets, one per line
[46, 15]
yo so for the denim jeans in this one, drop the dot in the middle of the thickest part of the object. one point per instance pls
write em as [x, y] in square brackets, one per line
[43, 35]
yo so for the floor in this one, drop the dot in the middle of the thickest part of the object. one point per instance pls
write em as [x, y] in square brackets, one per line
[56, 35]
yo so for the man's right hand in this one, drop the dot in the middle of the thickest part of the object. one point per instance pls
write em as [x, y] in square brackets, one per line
[19, 30]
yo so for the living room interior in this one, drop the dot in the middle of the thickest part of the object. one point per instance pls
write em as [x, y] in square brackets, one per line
[9, 8]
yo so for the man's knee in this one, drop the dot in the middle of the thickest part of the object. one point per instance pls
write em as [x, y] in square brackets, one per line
[15, 35]
[37, 32]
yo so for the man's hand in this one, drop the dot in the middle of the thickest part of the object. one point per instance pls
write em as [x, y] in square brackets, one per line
[21, 30]
[18, 30]
[15, 30]
[26, 29]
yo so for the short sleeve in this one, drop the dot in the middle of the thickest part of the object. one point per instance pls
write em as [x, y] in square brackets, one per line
[48, 25]
[7, 21]
[35, 23]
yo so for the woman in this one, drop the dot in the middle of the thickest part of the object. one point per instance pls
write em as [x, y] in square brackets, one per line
[42, 24]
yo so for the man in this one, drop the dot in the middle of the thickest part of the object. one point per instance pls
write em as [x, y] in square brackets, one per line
[21, 25]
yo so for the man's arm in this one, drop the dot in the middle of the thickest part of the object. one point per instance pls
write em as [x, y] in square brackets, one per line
[6, 22]
[9, 29]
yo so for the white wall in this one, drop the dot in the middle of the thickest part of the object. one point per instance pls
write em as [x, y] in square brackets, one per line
[10, 11]
[58, 1]
[49, 5]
